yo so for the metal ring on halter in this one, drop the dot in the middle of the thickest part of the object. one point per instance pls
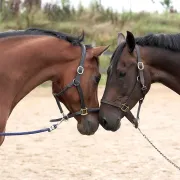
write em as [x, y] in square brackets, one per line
[80, 70]
[75, 82]
[140, 65]
[144, 88]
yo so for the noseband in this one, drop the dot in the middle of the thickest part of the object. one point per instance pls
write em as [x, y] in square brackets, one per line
[124, 107]
[76, 82]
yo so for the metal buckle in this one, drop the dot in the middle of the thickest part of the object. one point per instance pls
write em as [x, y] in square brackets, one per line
[84, 111]
[140, 65]
[80, 70]
[124, 107]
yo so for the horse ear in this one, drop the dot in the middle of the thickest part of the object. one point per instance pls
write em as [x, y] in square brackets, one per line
[97, 51]
[130, 40]
[121, 38]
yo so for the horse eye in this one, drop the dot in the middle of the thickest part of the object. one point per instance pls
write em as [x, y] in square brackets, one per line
[122, 74]
[97, 79]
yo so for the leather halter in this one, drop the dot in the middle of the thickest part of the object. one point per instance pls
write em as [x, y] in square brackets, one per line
[123, 106]
[76, 83]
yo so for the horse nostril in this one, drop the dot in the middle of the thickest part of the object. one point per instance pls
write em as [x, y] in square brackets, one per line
[104, 122]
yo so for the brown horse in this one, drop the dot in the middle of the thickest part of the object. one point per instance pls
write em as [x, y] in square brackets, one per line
[135, 65]
[31, 57]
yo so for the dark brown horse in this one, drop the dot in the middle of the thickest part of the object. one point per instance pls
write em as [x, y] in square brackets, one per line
[135, 65]
[29, 58]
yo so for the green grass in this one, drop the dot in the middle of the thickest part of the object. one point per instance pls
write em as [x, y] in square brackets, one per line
[103, 79]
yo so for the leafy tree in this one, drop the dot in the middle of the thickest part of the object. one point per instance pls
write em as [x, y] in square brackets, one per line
[166, 4]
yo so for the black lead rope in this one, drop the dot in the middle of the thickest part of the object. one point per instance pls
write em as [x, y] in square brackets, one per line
[59, 105]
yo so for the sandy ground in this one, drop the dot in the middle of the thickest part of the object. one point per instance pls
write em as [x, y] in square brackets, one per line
[64, 154]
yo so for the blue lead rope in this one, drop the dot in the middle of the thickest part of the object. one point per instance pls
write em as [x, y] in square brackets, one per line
[53, 127]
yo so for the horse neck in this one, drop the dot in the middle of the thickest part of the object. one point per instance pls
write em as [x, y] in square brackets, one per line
[164, 66]
[32, 63]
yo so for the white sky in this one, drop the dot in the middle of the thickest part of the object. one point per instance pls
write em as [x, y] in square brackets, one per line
[119, 5]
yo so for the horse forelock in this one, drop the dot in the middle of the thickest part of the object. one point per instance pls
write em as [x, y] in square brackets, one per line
[116, 55]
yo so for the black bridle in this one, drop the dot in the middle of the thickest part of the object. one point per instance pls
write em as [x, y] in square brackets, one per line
[123, 106]
[76, 83]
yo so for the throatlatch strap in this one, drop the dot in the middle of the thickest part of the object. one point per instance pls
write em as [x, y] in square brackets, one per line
[59, 105]
[140, 67]
[65, 89]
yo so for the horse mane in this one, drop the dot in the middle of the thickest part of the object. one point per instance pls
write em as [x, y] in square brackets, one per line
[166, 41]
[36, 31]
